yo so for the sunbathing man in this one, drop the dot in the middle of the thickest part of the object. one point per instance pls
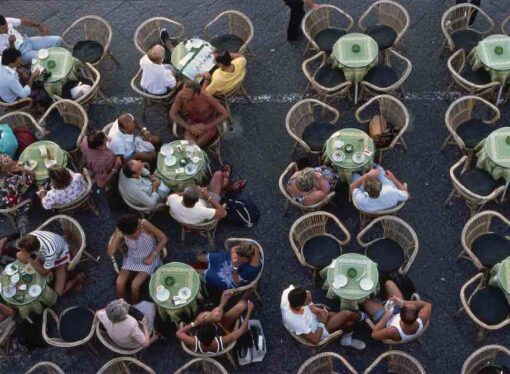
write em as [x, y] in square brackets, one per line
[198, 113]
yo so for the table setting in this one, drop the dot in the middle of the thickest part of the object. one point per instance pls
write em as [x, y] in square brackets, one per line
[40, 156]
[193, 57]
[500, 277]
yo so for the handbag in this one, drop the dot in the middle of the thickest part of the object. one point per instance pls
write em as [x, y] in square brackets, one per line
[381, 131]
[241, 211]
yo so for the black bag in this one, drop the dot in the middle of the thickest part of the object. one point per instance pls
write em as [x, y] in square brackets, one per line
[241, 211]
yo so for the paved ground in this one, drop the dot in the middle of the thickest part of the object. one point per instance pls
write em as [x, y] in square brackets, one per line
[260, 149]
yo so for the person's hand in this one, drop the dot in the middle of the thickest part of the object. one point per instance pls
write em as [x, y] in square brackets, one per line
[316, 6]
[12, 38]
[398, 301]
[156, 183]
[145, 321]
[373, 173]
[35, 74]
[322, 315]
[390, 174]
[197, 129]
[43, 29]
[226, 295]
[148, 260]
[23, 256]
[206, 75]
[250, 307]
[203, 193]
[308, 297]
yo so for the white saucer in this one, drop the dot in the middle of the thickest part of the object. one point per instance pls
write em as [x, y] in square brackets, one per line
[163, 296]
[190, 169]
[195, 159]
[184, 293]
[358, 157]
[170, 160]
[340, 281]
[11, 269]
[167, 150]
[338, 144]
[338, 156]
[49, 163]
[366, 284]
[42, 54]
[15, 278]
[9, 291]
[34, 290]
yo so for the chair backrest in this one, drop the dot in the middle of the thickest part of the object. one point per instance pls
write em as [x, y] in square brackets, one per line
[105, 339]
[311, 65]
[46, 366]
[327, 362]
[505, 28]
[130, 204]
[58, 341]
[229, 243]
[225, 350]
[238, 24]
[123, 364]
[135, 86]
[22, 120]
[379, 213]
[398, 362]
[483, 357]
[316, 20]
[205, 226]
[91, 73]
[147, 34]
[400, 65]
[388, 13]
[202, 365]
[19, 104]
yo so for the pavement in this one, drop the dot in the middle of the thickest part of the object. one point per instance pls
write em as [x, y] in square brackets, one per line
[260, 149]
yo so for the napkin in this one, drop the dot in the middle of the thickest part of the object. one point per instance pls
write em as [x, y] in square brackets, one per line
[179, 170]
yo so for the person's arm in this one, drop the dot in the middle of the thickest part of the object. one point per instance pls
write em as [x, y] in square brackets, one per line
[175, 113]
[114, 244]
[311, 4]
[206, 82]
[424, 309]
[183, 334]
[396, 182]
[23, 91]
[161, 238]
[359, 182]
[236, 334]
[26, 258]
[43, 29]
[314, 337]
[219, 109]
[381, 332]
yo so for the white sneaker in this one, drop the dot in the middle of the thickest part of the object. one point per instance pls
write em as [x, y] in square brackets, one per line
[354, 343]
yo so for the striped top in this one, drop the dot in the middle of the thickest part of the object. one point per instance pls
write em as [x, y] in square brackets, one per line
[53, 247]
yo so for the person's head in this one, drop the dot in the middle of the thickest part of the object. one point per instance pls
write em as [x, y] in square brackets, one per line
[297, 298]
[3, 25]
[60, 177]
[127, 123]
[305, 180]
[28, 243]
[133, 168]
[245, 251]
[206, 333]
[190, 89]
[6, 164]
[408, 314]
[190, 196]
[372, 186]
[156, 54]
[97, 140]
[11, 57]
[223, 58]
[117, 310]
[129, 224]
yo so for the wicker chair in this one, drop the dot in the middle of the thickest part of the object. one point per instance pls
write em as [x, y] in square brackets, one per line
[282, 182]
[457, 18]
[90, 28]
[323, 18]
[395, 229]
[206, 229]
[45, 367]
[10, 213]
[237, 91]
[473, 200]
[327, 362]
[465, 109]
[23, 120]
[395, 113]
[462, 76]
[483, 357]
[237, 24]
[301, 115]
[90, 73]
[105, 339]
[310, 68]
[479, 281]
[21, 104]
[312, 225]
[123, 365]
[202, 365]
[7, 327]
[147, 33]
[505, 26]
[398, 362]
[478, 225]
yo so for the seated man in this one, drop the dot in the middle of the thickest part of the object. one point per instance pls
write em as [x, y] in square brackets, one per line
[314, 324]
[377, 190]
[28, 46]
[157, 78]
[127, 144]
[139, 187]
[396, 319]
[203, 113]
[11, 88]
[229, 75]
[53, 256]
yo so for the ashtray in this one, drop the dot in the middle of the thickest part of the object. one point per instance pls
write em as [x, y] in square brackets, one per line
[51, 64]
[356, 48]
[498, 50]
[169, 281]
[351, 273]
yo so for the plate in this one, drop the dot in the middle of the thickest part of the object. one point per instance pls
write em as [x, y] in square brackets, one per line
[195, 159]
[42, 54]
[338, 144]
[184, 293]
[30, 164]
[358, 157]
[163, 296]
[34, 290]
[11, 269]
[338, 156]
[190, 169]
[15, 278]
[366, 284]
[340, 281]
[49, 163]
[170, 160]
[9, 291]
[167, 150]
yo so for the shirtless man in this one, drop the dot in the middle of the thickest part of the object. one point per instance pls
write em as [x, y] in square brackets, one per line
[202, 113]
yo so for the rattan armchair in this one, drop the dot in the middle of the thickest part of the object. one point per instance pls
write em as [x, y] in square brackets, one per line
[23, 120]
[301, 115]
[105, 339]
[58, 341]
[202, 365]
[322, 18]
[398, 362]
[483, 357]
[20, 104]
[147, 34]
[505, 26]
[45, 367]
[327, 362]
[310, 68]
[227, 97]
[397, 230]
[11, 212]
[312, 225]
[90, 73]
[123, 365]
[237, 24]
[7, 327]
[395, 113]
[283, 181]
[143, 211]
[92, 28]
[206, 229]
[366, 217]
[474, 201]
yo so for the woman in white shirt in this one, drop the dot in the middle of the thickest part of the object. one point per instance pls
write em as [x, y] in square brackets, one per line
[66, 187]
[157, 79]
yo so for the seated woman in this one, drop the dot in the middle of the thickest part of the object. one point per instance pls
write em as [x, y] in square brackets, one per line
[66, 187]
[311, 185]
[208, 325]
[157, 78]
[231, 269]
[123, 328]
[144, 243]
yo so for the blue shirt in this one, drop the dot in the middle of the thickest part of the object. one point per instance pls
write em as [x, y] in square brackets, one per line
[10, 86]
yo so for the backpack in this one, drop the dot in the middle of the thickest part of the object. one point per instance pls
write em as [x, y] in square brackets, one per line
[241, 211]
[8, 141]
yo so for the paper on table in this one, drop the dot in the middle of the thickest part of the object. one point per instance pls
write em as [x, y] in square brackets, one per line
[179, 170]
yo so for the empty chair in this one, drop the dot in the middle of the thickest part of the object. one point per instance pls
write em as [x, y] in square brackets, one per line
[485, 358]
[45, 367]
[91, 76]
[327, 362]
[324, 26]
[396, 362]
[147, 34]
[231, 31]
[125, 365]
[7, 328]
[202, 365]
[505, 26]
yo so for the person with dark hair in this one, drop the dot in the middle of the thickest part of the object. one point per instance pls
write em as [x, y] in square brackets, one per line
[396, 319]
[28, 46]
[99, 159]
[53, 255]
[66, 187]
[141, 188]
[297, 12]
[203, 113]
[301, 317]
[11, 88]
[207, 327]
[144, 243]
[229, 75]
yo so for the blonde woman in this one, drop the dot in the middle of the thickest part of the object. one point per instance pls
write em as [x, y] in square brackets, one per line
[311, 185]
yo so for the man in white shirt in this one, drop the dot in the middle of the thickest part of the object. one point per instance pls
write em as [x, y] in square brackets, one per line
[157, 79]
[28, 46]
[314, 324]
[11, 88]
[378, 190]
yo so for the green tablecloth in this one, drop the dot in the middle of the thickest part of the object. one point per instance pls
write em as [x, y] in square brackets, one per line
[175, 176]
[32, 153]
[193, 57]
[183, 276]
[351, 294]
[25, 303]
[360, 142]
[484, 55]
[500, 276]
[494, 154]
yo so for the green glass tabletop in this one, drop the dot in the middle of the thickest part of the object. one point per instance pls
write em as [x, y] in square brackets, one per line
[504, 274]
[59, 63]
[355, 50]
[25, 279]
[494, 52]
[339, 143]
[497, 148]
[193, 57]
[33, 153]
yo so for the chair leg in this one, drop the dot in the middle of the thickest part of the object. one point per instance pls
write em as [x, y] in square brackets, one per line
[403, 142]
[109, 54]
[446, 142]
[92, 206]
[314, 277]
[448, 199]
[91, 256]
[480, 334]
[460, 255]
[144, 115]
[231, 359]
[458, 312]
[285, 207]
[183, 233]
[102, 96]
[306, 90]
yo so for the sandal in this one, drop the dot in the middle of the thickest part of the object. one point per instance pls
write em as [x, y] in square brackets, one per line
[227, 169]
[239, 185]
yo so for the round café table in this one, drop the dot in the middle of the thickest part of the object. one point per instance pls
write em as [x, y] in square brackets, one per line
[22, 300]
[173, 277]
[178, 176]
[355, 54]
[360, 142]
[494, 155]
[33, 153]
[193, 57]
[500, 277]
[351, 294]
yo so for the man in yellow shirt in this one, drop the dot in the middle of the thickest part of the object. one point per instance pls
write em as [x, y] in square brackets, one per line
[230, 73]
